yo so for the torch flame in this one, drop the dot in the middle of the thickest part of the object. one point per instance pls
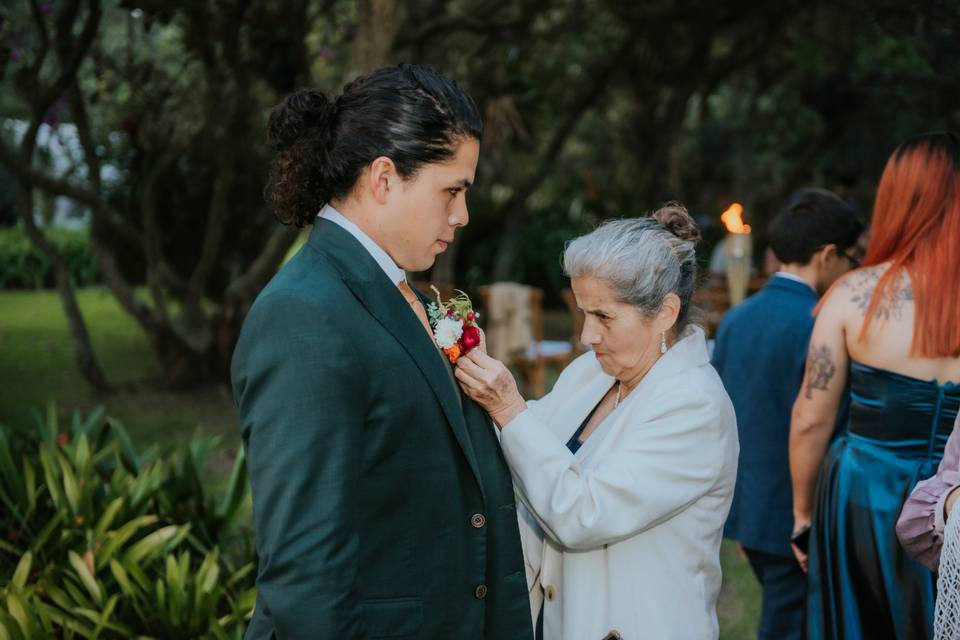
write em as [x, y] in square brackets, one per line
[732, 219]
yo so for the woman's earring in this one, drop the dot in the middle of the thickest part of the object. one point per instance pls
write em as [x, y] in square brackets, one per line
[663, 343]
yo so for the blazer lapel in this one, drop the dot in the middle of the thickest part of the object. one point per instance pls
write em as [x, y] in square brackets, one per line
[386, 304]
[690, 351]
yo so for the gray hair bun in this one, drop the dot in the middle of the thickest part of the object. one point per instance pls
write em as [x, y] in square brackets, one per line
[677, 220]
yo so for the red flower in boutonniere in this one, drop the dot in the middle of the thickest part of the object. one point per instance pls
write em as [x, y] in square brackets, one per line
[454, 325]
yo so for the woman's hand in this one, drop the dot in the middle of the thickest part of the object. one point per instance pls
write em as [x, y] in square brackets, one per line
[489, 383]
[799, 522]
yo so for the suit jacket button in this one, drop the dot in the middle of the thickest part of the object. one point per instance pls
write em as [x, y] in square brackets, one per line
[480, 592]
[478, 520]
[613, 634]
[550, 593]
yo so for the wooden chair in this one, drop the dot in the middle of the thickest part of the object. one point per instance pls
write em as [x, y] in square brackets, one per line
[713, 299]
[532, 361]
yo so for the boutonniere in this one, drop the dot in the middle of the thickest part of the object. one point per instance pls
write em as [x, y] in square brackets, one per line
[454, 325]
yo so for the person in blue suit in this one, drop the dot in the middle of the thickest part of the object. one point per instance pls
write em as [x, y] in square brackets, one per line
[760, 352]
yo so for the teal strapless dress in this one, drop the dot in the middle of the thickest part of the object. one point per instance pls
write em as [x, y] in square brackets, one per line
[862, 584]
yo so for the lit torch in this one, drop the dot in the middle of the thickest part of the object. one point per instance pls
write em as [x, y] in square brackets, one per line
[739, 249]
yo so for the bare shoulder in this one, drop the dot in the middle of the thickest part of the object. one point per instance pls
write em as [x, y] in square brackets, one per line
[854, 292]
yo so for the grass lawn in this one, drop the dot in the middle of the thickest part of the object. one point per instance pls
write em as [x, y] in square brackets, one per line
[37, 366]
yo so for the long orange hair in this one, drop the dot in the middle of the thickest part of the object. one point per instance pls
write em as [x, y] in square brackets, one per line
[916, 226]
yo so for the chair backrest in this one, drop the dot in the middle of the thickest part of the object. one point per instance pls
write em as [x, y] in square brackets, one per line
[712, 298]
[504, 336]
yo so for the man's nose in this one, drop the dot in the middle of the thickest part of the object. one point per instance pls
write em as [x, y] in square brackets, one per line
[460, 216]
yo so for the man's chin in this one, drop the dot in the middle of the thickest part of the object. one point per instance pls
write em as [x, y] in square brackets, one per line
[422, 264]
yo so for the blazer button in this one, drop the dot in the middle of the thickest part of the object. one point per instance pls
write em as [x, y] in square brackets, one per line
[550, 593]
[613, 634]
[480, 592]
[478, 520]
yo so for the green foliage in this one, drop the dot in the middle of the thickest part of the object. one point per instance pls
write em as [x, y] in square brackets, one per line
[101, 542]
[460, 305]
[24, 266]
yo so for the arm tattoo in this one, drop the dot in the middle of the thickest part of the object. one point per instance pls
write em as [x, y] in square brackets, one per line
[820, 369]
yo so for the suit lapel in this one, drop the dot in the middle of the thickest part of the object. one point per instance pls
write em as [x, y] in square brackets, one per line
[386, 304]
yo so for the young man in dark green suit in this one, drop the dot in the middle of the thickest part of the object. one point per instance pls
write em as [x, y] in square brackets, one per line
[382, 504]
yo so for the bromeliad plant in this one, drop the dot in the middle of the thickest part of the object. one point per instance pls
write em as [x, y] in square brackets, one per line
[97, 542]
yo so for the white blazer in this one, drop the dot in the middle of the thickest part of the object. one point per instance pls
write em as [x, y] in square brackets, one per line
[625, 535]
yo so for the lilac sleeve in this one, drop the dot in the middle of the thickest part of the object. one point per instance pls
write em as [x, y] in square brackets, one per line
[921, 523]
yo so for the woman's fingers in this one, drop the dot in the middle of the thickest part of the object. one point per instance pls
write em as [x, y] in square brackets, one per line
[801, 557]
[470, 366]
[481, 359]
[465, 378]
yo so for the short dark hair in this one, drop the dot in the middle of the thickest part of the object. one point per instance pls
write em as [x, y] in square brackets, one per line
[808, 221]
[409, 113]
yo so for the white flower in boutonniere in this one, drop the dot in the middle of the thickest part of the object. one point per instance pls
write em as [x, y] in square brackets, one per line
[454, 325]
[447, 332]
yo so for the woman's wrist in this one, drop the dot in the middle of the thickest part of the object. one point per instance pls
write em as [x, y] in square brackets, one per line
[505, 416]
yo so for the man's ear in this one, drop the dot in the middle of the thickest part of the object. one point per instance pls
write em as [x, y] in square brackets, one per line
[829, 251]
[381, 176]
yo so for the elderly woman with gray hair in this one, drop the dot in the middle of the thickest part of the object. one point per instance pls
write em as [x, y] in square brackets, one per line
[626, 468]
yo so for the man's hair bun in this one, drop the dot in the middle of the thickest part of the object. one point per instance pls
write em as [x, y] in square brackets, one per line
[307, 111]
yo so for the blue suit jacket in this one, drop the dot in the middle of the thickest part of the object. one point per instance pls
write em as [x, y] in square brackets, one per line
[759, 353]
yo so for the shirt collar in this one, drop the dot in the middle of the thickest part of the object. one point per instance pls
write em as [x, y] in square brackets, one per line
[394, 272]
[795, 278]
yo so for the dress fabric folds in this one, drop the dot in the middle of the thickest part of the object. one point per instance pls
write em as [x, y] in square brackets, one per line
[862, 583]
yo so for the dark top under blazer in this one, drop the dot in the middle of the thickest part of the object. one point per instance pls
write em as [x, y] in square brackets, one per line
[382, 505]
[760, 353]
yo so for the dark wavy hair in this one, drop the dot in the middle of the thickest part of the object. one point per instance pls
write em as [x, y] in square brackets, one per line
[408, 113]
[809, 220]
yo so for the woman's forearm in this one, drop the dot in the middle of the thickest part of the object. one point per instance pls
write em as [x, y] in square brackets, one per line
[808, 443]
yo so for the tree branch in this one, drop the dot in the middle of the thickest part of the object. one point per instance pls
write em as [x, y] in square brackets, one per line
[513, 210]
[263, 266]
[152, 235]
[68, 71]
[59, 187]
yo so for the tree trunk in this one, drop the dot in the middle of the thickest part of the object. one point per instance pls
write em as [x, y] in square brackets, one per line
[83, 348]
[377, 22]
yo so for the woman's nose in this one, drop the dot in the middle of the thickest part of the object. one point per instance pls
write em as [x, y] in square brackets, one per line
[589, 335]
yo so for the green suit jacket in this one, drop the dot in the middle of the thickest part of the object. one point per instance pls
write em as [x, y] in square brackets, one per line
[382, 504]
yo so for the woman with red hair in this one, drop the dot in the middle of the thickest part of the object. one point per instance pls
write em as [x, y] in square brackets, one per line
[891, 331]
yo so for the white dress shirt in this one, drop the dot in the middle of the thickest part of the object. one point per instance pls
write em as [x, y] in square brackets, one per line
[795, 278]
[393, 271]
